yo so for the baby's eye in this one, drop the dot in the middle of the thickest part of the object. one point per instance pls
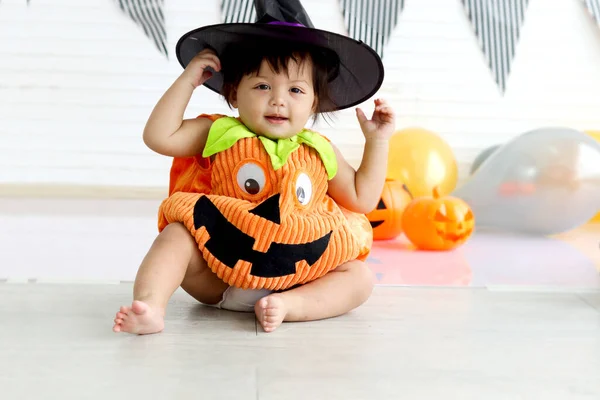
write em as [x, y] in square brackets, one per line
[263, 87]
[297, 90]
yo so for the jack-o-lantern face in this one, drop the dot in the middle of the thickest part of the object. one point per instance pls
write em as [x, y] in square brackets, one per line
[438, 223]
[386, 218]
[266, 228]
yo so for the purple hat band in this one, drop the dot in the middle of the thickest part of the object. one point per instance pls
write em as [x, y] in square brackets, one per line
[285, 23]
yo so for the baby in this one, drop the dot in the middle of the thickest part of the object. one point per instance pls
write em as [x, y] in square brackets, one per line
[276, 91]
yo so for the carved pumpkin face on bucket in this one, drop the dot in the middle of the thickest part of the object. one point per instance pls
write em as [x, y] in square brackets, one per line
[438, 223]
[386, 218]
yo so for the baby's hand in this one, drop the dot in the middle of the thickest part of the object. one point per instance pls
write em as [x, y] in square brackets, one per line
[381, 125]
[196, 71]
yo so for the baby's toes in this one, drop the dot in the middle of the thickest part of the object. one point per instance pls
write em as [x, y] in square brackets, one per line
[125, 310]
[128, 320]
[271, 319]
[270, 312]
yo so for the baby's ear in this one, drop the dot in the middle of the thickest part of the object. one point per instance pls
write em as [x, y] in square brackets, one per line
[233, 99]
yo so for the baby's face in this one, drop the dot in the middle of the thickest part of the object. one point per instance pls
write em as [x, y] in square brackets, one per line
[276, 105]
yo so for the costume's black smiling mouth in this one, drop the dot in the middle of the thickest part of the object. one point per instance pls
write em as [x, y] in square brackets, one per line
[229, 245]
[375, 224]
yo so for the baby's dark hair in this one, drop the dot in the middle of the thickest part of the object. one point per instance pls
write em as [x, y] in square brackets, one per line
[245, 58]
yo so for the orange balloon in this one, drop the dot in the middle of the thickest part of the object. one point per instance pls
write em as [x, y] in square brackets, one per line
[438, 223]
[386, 218]
[422, 160]
[595, 135]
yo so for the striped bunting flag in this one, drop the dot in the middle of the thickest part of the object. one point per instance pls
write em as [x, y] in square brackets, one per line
[371, 21]
[497, 24]
[593, 7]
[148, 14]
[235, 11]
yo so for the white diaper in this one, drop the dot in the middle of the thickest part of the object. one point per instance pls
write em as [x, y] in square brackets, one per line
[236, 299]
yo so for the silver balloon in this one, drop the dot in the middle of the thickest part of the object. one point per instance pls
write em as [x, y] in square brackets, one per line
[545, 181]
[482, 157]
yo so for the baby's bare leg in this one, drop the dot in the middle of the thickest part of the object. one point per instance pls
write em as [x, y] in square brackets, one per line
[173, 260]
[336, 293]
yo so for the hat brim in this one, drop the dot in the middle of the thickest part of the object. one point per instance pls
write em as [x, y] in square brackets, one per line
[361, 70]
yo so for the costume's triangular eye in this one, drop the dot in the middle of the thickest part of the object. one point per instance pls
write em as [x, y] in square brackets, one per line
[381, 205]
[469, 215]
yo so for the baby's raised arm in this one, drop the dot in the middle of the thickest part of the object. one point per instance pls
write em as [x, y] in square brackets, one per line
[360, 190]
[166, 131]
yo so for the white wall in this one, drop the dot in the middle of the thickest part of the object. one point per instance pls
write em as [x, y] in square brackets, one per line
[78, 80]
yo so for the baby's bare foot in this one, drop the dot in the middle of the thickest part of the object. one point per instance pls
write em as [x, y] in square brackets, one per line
[270, 312]
[140, 319]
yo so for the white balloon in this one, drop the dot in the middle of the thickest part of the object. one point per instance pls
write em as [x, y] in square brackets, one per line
[482, 157]
[545, 181]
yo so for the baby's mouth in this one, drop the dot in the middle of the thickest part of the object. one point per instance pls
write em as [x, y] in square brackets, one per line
[276, 119]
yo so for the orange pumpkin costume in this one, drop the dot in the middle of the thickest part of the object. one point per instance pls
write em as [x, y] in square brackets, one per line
[260, 226]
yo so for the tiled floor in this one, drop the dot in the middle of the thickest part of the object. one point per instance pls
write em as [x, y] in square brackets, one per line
[500, 318]
[415, 343]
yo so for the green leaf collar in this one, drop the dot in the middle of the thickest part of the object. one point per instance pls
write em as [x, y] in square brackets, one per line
[226, 131]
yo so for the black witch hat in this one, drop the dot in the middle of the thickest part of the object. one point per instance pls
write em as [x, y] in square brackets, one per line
[360, 70]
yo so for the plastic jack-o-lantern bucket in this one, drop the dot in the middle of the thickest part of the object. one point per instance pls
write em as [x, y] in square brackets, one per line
[386, 218]
[438, 223]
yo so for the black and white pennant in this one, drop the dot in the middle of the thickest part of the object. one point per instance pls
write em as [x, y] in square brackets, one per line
[593, 7]
[238, 11]
[148, 14]
[497, 25]
[371, 21]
